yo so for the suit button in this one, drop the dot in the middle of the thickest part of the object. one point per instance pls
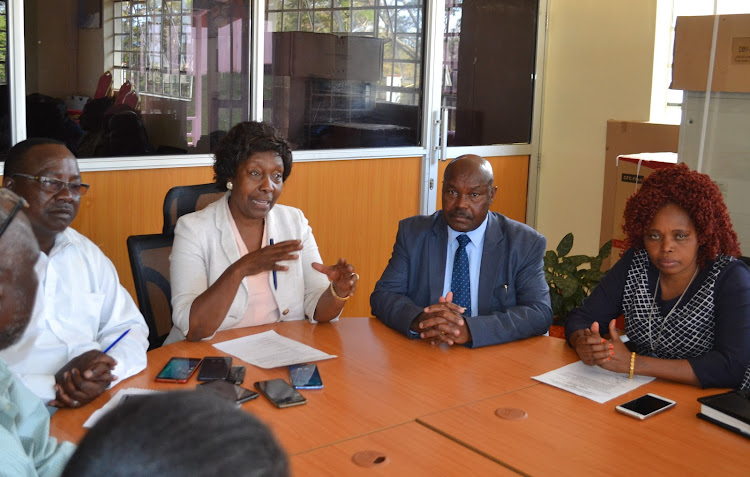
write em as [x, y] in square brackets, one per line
[285, 312]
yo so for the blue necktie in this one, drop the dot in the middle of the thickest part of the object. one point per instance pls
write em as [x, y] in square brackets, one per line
[460, 284]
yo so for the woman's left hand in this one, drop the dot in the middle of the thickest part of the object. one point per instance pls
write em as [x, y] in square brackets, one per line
[619, 361]
[341, 275]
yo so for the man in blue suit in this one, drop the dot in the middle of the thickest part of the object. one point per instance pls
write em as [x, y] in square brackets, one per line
[464, 275]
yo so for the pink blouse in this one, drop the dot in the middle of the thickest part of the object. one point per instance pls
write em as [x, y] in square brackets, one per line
[262, 308]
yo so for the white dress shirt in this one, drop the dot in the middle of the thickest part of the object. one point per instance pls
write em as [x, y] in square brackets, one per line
[80, 305]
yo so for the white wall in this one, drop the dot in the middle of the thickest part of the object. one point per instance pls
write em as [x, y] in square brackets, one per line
[598, 67]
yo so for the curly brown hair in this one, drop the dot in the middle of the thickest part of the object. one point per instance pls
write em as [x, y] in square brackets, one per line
[694, 192]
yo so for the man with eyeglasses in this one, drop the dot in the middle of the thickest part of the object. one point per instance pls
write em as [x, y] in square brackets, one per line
[80, 308]
[27, 448]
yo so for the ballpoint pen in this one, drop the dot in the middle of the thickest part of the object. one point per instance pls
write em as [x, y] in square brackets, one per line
[275, 287]
[117, 340]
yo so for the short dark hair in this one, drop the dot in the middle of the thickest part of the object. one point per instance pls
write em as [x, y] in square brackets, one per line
[18, 152]
[175, 434]
[244, 140]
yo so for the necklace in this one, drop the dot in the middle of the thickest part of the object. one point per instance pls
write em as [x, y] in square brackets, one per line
[664, 320]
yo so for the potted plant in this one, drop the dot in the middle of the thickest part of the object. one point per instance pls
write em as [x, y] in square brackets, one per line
[571, 279]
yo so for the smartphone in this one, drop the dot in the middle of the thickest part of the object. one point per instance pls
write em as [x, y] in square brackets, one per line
[215, 367]
[225, 389]
[305, 376]
[178, 370]
[645, 406]
[280, 393]
[236, 374]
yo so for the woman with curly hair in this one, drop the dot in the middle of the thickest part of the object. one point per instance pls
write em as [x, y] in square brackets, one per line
[244, 260]
[685, 297]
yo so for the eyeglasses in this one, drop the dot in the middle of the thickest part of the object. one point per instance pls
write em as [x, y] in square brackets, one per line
[55, 185]
[17, 201]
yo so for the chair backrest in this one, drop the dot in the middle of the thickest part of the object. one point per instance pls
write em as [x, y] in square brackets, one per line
[182, 200]
[149, 261]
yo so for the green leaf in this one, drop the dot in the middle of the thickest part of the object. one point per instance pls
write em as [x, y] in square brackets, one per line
[576, 260]
[567, 285]
[565, 245]
[605, 250]
[557, 302]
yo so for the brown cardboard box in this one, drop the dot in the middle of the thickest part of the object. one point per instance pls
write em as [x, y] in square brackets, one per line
[626, 137]
[632, 169]
[692, 50]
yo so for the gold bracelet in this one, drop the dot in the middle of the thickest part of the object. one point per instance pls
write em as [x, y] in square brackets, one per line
[342, 298]
[632, 364]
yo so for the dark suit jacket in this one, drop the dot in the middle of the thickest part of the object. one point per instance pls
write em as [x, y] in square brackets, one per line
[513, 294]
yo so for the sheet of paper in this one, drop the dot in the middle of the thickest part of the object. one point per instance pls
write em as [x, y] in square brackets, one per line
[113, 403]
[270, 350]
[592, 382]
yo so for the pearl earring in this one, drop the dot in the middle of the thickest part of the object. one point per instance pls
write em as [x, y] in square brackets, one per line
[229, 185]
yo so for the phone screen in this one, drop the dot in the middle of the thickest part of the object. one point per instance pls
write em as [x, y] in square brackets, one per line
[215, 367]
[645, 406]
[280, 393]
[228, 390]
[178, 369]
[305, 376]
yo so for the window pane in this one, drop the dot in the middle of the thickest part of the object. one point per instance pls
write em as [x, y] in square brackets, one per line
[353, 88]
[488, 69]
[187, 63]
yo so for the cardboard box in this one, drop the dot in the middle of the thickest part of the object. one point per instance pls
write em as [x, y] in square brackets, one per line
[632, 169]
[625, 137]
[692, 52]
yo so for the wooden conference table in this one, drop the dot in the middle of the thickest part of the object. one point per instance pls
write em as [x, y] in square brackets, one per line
[387, 394]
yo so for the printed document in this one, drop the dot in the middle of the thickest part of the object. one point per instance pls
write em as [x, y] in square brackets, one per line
[115, 401]
[592, 382]
[270, 350]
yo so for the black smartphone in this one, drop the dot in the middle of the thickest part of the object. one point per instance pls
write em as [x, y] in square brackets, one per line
[280, 393]
[236, 374]
[178, 370]
[215, 367]
[305, 376]
[645, 406]
[227, 390]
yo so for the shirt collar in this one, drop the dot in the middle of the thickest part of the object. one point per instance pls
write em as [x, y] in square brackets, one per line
[476, 235]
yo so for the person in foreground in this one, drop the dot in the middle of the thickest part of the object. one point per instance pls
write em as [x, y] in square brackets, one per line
[27, 448]
[244, 260]
[177, 434]
[81, 308]
[464, 275]
[685, 298]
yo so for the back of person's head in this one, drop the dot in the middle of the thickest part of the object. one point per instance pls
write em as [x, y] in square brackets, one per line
[92, 116]
[178, 434]
[18, 152]
[18, 281]
[126, 134]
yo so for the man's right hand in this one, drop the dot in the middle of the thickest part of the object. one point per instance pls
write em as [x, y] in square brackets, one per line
[83, 379]
[442, 322]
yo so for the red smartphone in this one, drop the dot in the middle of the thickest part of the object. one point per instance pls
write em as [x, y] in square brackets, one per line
[178, 370]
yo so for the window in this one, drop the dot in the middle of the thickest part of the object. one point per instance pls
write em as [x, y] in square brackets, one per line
[152, 47]
[344, 73]
[489, 61]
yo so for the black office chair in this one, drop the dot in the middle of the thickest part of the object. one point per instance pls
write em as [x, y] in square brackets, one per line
[149, 261]
[182, 200]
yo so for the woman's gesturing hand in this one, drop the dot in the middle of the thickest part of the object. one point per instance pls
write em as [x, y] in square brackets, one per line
[267, 259]
[342, 276]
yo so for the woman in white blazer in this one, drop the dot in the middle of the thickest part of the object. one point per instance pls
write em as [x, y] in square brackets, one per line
[245, 261]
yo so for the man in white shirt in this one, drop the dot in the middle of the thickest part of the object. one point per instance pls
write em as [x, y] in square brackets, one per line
[80, 307]
[27, 448]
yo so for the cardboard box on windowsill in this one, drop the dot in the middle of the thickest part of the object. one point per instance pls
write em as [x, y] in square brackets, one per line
[632, 169]
[692, 52]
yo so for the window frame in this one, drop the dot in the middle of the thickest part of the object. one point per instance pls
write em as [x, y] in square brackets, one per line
[432, 86]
